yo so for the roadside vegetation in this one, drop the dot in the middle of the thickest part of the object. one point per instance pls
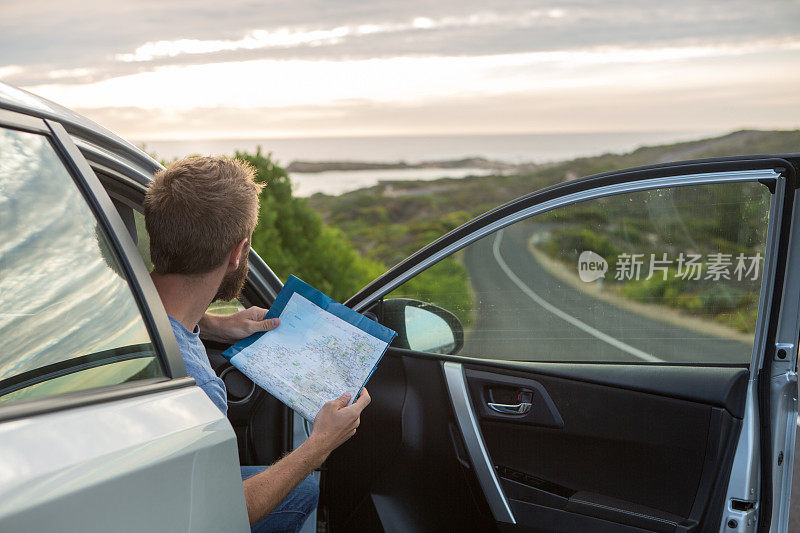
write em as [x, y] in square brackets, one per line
[340, 243]
[391, 220]
[292, 238]
[728, 219]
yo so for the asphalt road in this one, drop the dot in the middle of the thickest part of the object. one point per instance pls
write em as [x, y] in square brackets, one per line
[523, 312]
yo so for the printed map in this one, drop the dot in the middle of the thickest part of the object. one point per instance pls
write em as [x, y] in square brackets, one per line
[311, 358]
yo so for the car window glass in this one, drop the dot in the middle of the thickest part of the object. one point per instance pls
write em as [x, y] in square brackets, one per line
[67, 308]
[142, 240]
[665, 275]
[111, 373]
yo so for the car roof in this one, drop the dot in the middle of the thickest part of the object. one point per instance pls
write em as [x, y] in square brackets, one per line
[85, 132]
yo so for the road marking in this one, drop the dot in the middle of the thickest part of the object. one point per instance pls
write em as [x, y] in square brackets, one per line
[616, 343]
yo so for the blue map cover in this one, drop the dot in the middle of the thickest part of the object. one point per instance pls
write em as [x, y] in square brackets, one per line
[320, 350]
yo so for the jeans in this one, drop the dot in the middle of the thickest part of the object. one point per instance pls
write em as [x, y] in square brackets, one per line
[292, 512]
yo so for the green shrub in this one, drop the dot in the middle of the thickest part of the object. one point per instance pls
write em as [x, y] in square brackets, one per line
[568, 243]
[292, 239]
[656, 288]
[445, 284]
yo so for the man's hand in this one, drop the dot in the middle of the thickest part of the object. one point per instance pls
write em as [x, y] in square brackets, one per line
[235, 327]
[336, 421]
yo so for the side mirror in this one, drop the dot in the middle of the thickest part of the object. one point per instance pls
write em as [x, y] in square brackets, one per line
[420, 326]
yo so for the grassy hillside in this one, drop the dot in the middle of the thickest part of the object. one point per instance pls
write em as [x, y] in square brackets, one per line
[393, 219]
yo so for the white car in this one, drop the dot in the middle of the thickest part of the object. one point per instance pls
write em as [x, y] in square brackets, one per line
[546, 404]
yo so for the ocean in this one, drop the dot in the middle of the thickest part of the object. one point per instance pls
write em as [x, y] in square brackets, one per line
[511, 148]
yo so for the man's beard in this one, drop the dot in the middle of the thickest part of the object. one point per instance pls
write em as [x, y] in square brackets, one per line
[233, 282]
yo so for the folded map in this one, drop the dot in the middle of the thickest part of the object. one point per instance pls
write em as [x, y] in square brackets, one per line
[320, 350]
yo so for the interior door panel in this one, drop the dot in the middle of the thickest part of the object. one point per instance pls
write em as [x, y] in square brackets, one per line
[590, 455]
[488, 387]
[631, 457]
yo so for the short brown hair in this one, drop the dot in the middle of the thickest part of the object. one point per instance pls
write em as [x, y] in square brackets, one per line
[197, 210]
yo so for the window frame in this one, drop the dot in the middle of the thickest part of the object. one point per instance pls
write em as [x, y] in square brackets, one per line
[136, 276]
[128, 184]
[770, 171]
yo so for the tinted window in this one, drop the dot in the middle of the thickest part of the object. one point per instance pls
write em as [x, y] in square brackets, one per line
[142, 240]
[669, 275]
[66, 307]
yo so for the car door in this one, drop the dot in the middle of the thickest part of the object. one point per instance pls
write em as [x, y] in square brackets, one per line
[100, 429]
[264, 427]
[615, 353]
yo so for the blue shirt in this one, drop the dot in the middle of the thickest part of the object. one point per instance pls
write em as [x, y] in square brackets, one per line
[195, 359]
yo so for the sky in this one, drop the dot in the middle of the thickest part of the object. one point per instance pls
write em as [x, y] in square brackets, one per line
[206, 69]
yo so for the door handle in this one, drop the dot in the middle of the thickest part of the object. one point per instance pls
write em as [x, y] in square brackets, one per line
[510, 409]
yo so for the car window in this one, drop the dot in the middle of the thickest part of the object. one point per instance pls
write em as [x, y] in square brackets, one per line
[665, 275]
[68, 318]
[110, 373]
[142, 240]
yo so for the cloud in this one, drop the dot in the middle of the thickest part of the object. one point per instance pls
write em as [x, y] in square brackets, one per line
[330, 66]
[293, 37]
[720, 107]
[272, 83]
[114, 39]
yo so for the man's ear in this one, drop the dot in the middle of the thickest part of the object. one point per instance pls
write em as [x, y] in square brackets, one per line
[235, 256]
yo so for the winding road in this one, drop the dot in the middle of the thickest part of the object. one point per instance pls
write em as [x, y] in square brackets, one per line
[525, 313]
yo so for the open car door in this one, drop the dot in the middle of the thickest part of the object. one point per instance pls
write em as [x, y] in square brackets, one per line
[615, 353]
[263, 425]
[100, 428]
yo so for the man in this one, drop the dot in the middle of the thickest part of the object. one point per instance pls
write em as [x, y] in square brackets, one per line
[200, 214]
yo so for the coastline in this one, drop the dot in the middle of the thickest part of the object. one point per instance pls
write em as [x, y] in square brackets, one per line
[311, 167]
[512, 148]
